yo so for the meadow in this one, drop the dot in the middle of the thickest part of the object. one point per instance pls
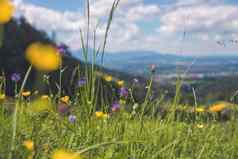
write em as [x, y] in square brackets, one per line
[36, 124]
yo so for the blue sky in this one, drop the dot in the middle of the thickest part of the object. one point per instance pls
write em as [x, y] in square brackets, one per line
[211, 26]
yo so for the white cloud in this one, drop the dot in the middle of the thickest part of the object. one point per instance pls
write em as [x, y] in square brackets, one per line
[205, 22]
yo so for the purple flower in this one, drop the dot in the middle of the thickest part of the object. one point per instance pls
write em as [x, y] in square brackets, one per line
[124, 92]
[15, 77]
[63, 109]
[116, 106]
[61, 48]
[72, 119]
[82, 82]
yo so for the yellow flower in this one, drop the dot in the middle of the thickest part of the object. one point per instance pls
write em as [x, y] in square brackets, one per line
[40, 105]
[217, 107]
[101, 115]
[65, 99]
[120, 83]
[44, 57]
[200, 110]
[29, 144]
[63, 154]
[6, 9]
[108, 78]
[26, 94]
[2, 97]
[200, 126]
[46, 97]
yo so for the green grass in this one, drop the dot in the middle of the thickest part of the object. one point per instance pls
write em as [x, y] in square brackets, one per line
[124, 134]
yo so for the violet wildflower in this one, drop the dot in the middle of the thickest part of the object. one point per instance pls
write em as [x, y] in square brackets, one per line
[115, 107]
[62, 49]
[124, 92]
[82, 82]
[15, 77]
[72, 119]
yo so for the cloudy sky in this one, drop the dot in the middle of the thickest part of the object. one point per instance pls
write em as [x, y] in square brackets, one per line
[187, 27]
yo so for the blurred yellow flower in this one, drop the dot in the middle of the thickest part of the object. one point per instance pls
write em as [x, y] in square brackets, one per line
[100, 114]
[46, 97]
[217, 107]
[26, 93]
[200, 110]
[120, 83]
[63, 154]
[108, 78]
[29, 144]
[40, 105]
[65, 99]
[44, 57]
[6, 9]
[200, 126]
[2, 97]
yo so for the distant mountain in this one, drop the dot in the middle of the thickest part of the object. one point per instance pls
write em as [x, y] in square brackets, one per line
[138, 62]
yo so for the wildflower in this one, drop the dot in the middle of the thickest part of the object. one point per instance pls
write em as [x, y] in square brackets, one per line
[15, 77]
[82, 82]
[63, 109]
[61, 48]
[63, 154]
[72, 118]
[200, 126]
[116, 107]
[29, 144]
[101, 114]
[120, 83]
[26, 93]
[7, 9]
[124, 92]
[217, 107]
[44, 57]
[2, 97]
[40, 105]
[65, 99]
[45, 97]
[108, 78]
[199, 110]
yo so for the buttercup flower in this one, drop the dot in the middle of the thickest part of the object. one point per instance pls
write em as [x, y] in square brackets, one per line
[44, 57]
[63, 154]
[2, 97]
[65, 99]
[26, 93]
[15, 77]
[101, 114]
[120, 83]
[29, 144]
[217, 107]
[200, 126]
[108, 78]
[6, 9]
[46, 97]
[199, 110]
